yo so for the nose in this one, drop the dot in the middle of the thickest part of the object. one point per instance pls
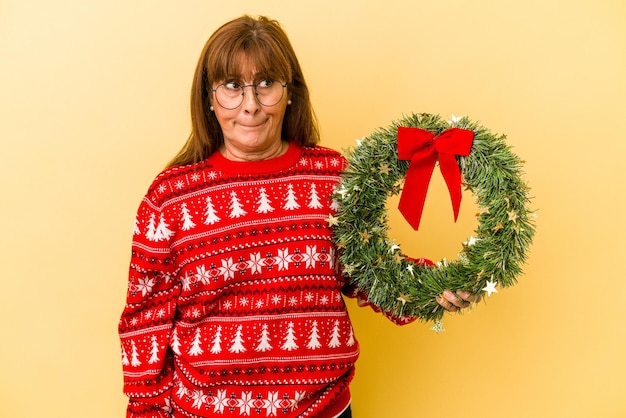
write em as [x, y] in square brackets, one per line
[250, 103]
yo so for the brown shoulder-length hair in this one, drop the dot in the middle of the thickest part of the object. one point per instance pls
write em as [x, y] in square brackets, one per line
[263, 43]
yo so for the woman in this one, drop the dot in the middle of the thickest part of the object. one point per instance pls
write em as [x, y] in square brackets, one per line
[234, 303]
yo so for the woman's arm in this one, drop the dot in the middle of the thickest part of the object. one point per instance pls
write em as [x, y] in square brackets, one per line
[146, 323]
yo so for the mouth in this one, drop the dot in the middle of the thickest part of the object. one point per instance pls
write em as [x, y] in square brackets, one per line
[252, 126]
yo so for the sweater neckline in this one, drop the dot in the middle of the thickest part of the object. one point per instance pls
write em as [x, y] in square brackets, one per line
[270, 165]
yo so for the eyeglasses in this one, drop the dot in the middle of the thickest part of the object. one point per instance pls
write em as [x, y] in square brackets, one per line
[229, 95]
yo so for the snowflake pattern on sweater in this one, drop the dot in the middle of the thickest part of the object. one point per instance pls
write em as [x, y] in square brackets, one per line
[234, 302]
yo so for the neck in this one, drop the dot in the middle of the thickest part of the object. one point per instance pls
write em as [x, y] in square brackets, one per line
[234, 154]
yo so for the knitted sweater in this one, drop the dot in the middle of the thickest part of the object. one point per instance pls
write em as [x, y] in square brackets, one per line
[234, 303]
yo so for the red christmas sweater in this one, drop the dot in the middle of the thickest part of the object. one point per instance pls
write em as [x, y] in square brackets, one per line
[234, 303]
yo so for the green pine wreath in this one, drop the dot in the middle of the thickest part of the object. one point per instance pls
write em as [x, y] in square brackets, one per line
[376, 265]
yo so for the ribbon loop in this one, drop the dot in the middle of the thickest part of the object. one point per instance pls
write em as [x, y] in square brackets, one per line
[423, 149]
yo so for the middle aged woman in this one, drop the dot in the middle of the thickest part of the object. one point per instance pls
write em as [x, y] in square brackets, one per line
[234, 303]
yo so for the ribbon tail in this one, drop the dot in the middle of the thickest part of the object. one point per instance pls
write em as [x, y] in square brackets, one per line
[415, 188]
[452, 175]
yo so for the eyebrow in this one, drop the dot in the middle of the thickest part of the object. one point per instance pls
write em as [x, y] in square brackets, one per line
[254, 78]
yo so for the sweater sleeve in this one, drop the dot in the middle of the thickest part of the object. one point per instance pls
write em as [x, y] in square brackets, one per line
[146, 323]
[362, 298]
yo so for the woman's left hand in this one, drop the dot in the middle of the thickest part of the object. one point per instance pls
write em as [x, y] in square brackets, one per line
[455, 301]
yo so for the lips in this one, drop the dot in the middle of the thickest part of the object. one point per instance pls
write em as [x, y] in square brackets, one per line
[249, 126]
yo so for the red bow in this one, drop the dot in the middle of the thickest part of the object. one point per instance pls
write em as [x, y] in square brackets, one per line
[423, 149]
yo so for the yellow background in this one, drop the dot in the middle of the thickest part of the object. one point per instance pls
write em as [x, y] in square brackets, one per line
[94, 101]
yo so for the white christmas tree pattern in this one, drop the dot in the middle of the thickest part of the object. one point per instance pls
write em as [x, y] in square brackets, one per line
[125, 360]
[162, 233]
[334, 340]
[314, 341]
[351, 339]
[314, 200]
[334, 204]
[136, 231]
[264, 202]
[210, 213]
[264, 340]
[237, 346]
[151, 227]
[217, 341]
[290, 339]
[236, 208]
[175, 344]
[134, 355]
[186, 218]
[291, 202]
[196, 349]
[154, 351]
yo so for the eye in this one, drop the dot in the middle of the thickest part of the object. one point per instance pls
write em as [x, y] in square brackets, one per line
[232, 85]
[265, 84]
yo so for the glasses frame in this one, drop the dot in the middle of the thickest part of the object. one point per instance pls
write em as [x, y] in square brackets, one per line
[243, 92]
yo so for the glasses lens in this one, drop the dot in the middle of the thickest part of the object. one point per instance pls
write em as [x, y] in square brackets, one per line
[269, 92]
[230, 95]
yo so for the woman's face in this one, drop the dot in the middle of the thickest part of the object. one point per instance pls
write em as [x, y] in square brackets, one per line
[251, 131]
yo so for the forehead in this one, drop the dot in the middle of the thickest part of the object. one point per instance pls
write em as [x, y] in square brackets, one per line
[249, 64]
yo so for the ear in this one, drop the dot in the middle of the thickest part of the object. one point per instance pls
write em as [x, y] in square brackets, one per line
[208, 89]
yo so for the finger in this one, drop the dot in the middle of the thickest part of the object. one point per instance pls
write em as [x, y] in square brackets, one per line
[446, 304]
[455, 300]
[468, 296]
[362, 302]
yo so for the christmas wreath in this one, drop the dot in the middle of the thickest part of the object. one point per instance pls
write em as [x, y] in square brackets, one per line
[401, 157]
